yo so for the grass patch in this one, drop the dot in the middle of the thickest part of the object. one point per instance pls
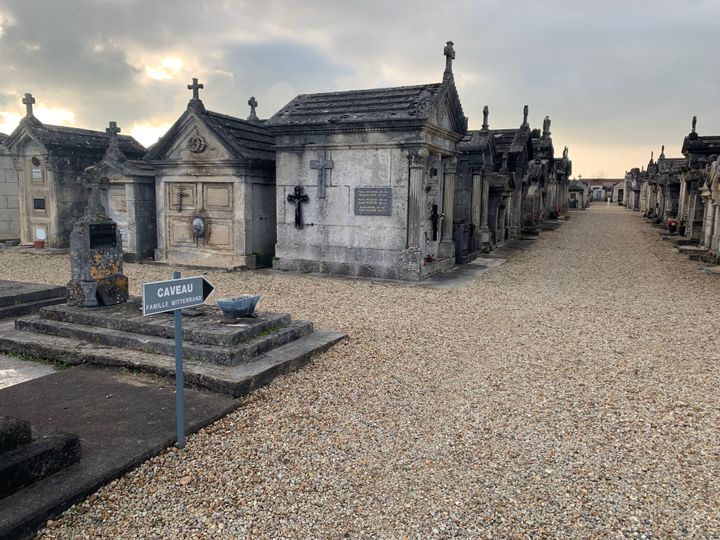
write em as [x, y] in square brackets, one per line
[56, 364]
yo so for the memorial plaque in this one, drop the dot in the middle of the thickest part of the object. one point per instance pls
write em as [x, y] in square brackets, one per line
[373, 201]
[103, 235]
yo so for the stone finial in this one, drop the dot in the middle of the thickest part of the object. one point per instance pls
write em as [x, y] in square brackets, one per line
[449, 53]
[195, 87]
[525, 115]
[662, 151]
[28, 101]
[546, 127]
[486, 113]
[252, 117]
[694, 123]
[565, 152]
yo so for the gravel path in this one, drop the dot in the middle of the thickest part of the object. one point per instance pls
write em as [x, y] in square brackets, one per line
[571, 393]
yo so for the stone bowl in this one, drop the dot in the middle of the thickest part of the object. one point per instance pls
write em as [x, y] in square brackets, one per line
[242, 306]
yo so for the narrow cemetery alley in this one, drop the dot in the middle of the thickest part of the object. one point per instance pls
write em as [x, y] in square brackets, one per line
[572, 391]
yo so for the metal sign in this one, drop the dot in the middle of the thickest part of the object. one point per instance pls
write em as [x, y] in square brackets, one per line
[162, 296]
[175, 295]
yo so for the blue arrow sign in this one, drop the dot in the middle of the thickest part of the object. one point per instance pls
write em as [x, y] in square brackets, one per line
[175, 295]
[162, 296]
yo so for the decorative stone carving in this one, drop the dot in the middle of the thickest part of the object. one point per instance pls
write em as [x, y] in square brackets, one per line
[197, 144]
[417, 157]
[200, 224]
[450, 166]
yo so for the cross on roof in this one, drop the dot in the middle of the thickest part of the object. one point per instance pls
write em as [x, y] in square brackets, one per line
[195, 87]
[253, 103]
[28, 101]
[449, 53]
[525, 115]
[112, 129]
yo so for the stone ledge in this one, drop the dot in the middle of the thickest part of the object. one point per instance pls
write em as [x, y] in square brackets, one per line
[232, 380]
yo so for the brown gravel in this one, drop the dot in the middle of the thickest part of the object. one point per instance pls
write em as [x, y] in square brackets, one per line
[570, 393]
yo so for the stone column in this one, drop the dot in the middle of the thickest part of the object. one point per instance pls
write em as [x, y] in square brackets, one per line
[476, 206]
[484, 229]
[447, 246]
[416, 196]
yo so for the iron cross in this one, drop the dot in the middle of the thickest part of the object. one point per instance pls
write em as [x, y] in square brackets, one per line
[321, 165]
[28, 101]
[195, 87]
[298, 196]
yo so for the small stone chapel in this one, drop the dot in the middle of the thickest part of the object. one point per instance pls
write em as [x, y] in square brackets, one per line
[215, 189]
[49, 161]
[366, 179]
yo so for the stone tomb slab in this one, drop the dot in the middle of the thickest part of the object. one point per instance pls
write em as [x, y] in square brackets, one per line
[122, 420]
[19, 298]
[232, 357]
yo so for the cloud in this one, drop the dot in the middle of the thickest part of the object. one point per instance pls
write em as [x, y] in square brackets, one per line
[617, 78]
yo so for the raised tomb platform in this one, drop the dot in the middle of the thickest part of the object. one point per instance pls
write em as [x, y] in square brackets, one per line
[227, 356]
[18, 298]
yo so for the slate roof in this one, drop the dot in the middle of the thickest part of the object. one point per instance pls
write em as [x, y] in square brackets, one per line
[577, 185]
[697, 144]
[251, 139]
[247, 140]
[402, 102]
[475, 140]
[70, 139]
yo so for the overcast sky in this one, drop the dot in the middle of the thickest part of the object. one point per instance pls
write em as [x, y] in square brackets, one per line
[618, 79]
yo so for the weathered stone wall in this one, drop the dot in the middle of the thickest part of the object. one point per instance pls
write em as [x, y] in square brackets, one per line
[333, 233]
[131, 204]
[9, 198]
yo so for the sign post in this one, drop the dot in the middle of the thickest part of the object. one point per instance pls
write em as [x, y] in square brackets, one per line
[175, 295]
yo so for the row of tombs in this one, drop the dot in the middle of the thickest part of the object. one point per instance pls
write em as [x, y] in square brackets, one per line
[682, 195]
[383, 182]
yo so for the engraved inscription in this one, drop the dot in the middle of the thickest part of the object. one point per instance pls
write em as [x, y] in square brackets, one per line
[373, 201]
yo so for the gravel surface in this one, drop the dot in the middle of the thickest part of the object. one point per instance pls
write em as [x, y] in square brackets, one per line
[570, 393]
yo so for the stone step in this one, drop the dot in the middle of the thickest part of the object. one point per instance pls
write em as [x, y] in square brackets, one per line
[13, 432]
[214, 354]
[18, 310]
[35, 460]
[210, 328]
[30, 292]
[234, 380]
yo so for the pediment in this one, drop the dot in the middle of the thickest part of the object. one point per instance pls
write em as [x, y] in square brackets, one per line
[196, 143]
[190, 139]
[449, 113]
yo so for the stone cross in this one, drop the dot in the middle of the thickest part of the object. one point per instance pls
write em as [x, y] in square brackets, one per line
[525, 115]
[486, 113]
[321, 165]
[694, 122]
[662, 151]
[113, 151]
[298, 196]
[195, 87]
[449, 53]
[253, 104]
[28, 101]
[112, 130]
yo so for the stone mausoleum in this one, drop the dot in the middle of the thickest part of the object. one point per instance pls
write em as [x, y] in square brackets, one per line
[366, 179]
[215, 189]
[49, 161]
[9, 195]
